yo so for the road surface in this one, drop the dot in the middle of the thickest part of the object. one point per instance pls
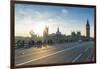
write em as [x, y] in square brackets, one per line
[57, 53]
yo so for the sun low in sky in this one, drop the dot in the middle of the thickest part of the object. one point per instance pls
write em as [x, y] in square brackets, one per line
[36, 17]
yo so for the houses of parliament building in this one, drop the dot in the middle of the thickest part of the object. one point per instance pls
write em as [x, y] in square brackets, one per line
[58, 37]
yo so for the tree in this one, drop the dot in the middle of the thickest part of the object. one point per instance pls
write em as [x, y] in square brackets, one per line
[33, 35]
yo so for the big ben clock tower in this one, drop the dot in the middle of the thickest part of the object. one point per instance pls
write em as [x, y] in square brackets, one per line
[88, 29]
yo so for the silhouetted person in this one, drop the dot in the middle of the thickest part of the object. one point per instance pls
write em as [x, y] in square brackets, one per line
[22, 43]
[18, 43]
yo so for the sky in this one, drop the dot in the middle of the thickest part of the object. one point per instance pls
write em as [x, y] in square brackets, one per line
[34, 18]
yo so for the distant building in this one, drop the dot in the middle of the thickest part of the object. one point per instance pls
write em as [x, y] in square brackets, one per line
[87, 30]
[73, 33]
[54, 37]
[78, 33]
[58, 32]
[45, 34]
[58, 37]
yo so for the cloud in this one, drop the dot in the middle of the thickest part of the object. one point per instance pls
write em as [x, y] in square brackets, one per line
[31, 18]
[64, 11]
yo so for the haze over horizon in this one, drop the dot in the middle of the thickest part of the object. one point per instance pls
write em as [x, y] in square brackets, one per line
[36, 17]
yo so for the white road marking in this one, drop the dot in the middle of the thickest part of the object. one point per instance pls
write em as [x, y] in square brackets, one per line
[45, 56]
[77, 57]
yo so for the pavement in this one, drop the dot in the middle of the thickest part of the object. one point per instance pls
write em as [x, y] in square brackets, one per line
[57, 53]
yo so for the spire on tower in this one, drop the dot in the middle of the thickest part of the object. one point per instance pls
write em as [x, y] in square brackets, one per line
[87, 23]
[58, 29]
[58, 32]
